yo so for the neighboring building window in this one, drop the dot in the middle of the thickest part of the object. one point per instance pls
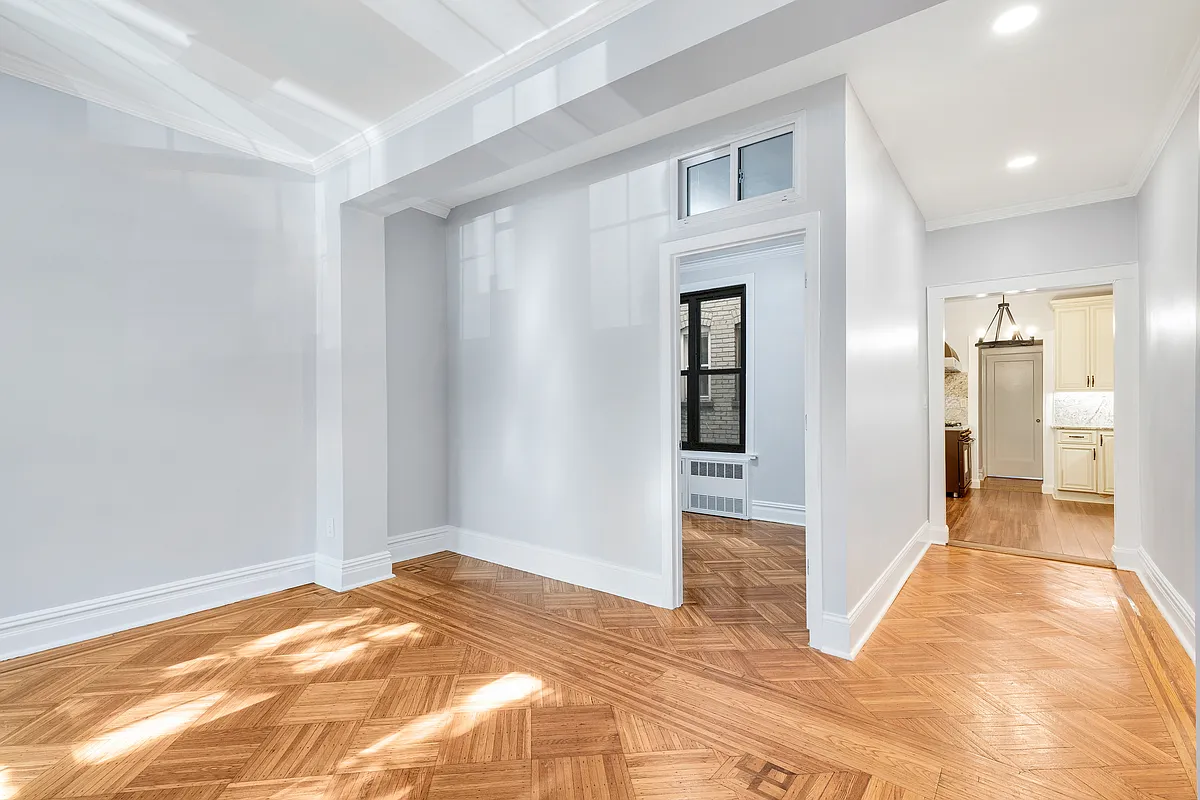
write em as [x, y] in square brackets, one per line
[758, 168]
[712, 377]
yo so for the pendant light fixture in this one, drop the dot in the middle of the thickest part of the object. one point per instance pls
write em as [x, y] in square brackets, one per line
[992, 338]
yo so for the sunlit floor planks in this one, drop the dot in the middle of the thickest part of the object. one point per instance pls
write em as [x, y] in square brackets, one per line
[1015, 515]
[991, 677]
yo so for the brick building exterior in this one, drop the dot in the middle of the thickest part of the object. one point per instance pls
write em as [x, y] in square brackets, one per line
[720, 325]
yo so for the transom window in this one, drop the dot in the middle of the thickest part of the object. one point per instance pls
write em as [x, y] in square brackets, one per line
[712, 375]
[756, 169]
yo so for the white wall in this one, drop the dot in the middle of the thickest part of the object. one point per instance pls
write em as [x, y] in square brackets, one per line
[417, 377]
[157, 310]
[1167, 214]
[1056, 241]
[886, 430]
[965, 317]
[555, 351]
[775, 382]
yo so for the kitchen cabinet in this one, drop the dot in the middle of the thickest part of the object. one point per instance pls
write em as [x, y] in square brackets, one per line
[1084, 461]
[1108, 484]
[1083, 335]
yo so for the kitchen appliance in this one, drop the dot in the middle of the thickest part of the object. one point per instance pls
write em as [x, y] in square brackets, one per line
[958, 461]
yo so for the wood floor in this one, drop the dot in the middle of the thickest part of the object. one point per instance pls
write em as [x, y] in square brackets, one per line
[990, 677]
[1015, 515]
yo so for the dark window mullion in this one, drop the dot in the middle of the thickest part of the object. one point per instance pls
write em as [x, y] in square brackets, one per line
[693, 406]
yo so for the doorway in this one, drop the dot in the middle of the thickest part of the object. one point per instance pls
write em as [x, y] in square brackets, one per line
[743, 557]
[1042, 484]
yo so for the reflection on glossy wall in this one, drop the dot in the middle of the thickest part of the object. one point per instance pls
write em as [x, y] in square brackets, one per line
[157, 315]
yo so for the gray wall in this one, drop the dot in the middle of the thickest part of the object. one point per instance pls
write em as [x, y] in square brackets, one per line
[157, 312]
[1167, 212]
[1097, 235]
[415, 246]
[555, 349]
[886, 422]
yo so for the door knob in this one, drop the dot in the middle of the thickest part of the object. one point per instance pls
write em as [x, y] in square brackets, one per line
[1037, 420]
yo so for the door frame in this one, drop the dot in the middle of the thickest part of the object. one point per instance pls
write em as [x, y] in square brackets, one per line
[984, 354]
[1127, 527]
[671, 254]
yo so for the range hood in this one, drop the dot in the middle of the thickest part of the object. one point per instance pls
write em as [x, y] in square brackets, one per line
[953, 364]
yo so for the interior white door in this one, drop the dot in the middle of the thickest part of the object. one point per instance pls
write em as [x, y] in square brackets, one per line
[1012, 413]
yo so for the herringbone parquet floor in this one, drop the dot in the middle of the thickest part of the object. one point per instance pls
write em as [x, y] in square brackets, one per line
[991, 677]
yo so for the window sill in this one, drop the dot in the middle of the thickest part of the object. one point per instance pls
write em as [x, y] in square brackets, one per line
[717, 455]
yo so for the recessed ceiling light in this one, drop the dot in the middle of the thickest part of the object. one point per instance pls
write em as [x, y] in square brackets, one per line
[1031, 290]
[1015, 19]
[982, 295]
[1021, 162]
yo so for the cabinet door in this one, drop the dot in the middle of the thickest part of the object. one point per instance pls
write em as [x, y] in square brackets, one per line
[1101, 324]
[1077, 468]
[1072, 335]
[1108, 483]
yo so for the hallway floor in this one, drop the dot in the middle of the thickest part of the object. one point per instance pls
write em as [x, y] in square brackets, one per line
[1015, 515]
[990, 677]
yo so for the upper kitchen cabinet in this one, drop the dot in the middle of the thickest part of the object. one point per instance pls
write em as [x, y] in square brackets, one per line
[1083, 333]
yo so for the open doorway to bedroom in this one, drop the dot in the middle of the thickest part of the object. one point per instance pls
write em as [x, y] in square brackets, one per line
[1030, 433]
[741, 390]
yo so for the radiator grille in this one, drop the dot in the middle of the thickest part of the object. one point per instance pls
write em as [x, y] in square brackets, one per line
[716, 487]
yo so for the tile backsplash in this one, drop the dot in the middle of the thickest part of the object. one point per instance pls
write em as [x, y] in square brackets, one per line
[956, 398]
[1089, 409]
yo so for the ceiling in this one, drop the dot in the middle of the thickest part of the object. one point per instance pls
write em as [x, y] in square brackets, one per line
[1092, 87]
[286, 79]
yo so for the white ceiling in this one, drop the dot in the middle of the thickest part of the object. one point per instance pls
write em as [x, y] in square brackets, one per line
[1092, 87]
[287, 79]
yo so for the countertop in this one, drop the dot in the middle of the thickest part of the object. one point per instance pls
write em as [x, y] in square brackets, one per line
[1082, 427]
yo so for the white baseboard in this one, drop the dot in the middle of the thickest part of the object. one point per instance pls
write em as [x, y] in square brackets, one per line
[843, 635]
[54, 627]
[1175, 610]
[416, 544]
[342, 576]
[786, 513]
[604, 576]
[937, 534]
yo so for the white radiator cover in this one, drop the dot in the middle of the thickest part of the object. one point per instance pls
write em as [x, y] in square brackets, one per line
[714, 486]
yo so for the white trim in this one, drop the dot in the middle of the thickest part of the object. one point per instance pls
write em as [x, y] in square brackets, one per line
[718, 259]
[716, 455]
[1124, 278]
[1037, 207]
[594, 573]
[787, 513]
[415, 544]
[937, 534]
[670, 255]
[844, 635]
[1170, 603]
[342, 576]
[76, 622]
[435, 207]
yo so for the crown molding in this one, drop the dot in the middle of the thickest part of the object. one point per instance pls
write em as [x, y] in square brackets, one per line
[1038, 207]
[1181, 96]
[468, 85]
[17, 67]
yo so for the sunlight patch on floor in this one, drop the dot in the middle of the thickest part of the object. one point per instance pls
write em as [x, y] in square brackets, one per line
[125, 740]
[511, 688]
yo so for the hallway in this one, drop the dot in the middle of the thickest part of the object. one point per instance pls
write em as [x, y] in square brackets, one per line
[1015, 515]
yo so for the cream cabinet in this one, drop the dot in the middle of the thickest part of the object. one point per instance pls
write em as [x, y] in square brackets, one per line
[1083, 335]
[1108, 484]
[1084, 461]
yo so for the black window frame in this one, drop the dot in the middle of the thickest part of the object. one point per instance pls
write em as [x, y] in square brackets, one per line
[692, 376]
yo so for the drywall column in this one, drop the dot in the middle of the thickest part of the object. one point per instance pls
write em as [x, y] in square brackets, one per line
[351, 391]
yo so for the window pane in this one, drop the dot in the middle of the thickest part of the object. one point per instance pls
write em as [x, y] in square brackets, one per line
[718, 345]
[708, 186]
[721, 411]
[765, 166]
